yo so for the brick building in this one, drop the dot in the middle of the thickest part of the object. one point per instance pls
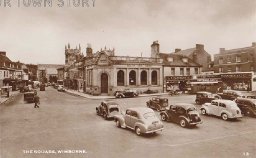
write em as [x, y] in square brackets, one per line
[178, 68]
[197, 55]
[236, 60]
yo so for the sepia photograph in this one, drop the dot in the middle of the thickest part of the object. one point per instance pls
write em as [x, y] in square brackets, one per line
[127, 78]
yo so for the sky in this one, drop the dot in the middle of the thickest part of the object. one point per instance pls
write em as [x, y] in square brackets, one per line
[38, 35]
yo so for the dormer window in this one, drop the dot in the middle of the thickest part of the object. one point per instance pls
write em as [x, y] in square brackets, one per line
[185, 60]
[170, 59]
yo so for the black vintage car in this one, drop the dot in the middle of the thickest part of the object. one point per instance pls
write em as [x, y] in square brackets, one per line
[125, 94]
[42, 87]
[107, 109]
[29, 97]
[247, 106]
[230, 94]
[205, 97]
[183, 114]
[157, 103]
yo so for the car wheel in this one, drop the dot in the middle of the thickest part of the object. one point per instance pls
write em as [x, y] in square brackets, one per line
[138, 131]
[183, 123]
[118, 124]
[163, 117]
[203, 111]
[224, 116]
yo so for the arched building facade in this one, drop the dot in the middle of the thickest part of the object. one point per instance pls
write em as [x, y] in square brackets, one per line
[106, 73]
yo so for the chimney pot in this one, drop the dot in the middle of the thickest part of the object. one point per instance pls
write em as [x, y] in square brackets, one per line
[200, 46]
[177, 50]
[222, 50]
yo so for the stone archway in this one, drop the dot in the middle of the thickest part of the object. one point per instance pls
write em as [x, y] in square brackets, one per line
[104, 83]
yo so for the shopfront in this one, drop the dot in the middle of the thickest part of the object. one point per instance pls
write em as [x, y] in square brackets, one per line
[238, 81]
[206, 82]
[179, 83]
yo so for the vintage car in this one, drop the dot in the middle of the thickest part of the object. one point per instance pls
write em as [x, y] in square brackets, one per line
[61, 88]
[107, 109]
[182, 113]
[205, 97]
[125, 94]
[226, 109]
[29, 97]
[230, 94]
[141, 119]
[42, 87]
[247, 106]
[157, 103]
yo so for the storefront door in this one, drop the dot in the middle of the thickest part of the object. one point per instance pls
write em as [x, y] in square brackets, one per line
[104, 83]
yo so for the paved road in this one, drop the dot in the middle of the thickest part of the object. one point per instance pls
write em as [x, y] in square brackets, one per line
[65, 122]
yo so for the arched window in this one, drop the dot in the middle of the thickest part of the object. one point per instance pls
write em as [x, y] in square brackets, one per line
[132, 78]
[154, 78]
[120, 78]
[143, 78]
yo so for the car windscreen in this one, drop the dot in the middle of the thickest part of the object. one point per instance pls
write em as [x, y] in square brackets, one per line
[113, 109]
[191, 109]
[149, 115]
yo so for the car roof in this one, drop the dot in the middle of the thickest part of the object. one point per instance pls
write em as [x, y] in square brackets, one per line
[184, 105]
[141, 109]
[250, 99]
[203, 92]
[29, 92]
[223, 100]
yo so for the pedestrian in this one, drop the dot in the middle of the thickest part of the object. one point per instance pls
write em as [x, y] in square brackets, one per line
[37, 101]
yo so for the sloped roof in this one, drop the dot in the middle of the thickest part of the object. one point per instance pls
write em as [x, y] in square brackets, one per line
[4, 59]
[177, 60]
[186, 52]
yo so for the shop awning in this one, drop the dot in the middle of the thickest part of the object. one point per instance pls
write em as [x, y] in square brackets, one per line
[213, 82]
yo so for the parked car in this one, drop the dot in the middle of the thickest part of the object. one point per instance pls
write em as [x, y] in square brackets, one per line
[247, 106]
[230, 94]
[141, 119]
[107, 109]
[251, 96]
[157, 103]
[226, 109]
[182, 113]
[205, 97]
[42, 87]
[125, 94]
[29, 97]
[61, 88]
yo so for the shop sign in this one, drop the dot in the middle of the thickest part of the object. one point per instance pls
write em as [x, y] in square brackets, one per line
[242, 75]
[178, 78]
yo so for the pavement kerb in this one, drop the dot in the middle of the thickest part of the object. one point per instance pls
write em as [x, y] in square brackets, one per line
[12, 96]
[80, 94]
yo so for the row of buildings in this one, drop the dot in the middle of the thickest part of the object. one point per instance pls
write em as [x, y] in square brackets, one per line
[17, 74]
[103, 72]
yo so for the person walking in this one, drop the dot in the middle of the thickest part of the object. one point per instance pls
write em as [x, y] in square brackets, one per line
[37, 101]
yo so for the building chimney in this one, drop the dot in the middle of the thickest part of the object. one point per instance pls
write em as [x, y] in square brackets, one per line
[155, 47]
[2, 53]
[254, 44]
[222, 50]
[88, 51]
[199, 46]
[177, 50]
